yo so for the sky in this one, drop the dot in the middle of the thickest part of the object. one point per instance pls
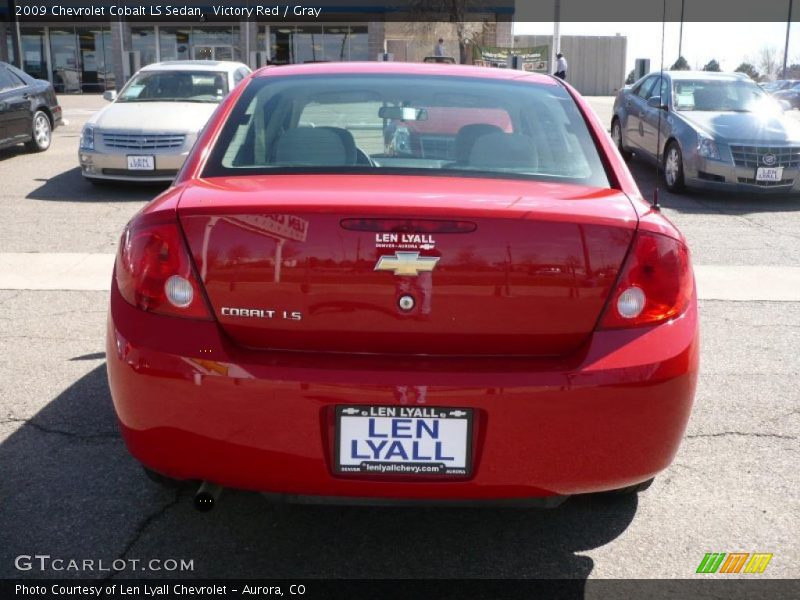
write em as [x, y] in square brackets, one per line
[729, 43]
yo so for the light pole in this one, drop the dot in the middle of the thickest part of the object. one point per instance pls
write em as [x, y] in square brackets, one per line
[680, 34]
[556, 34]
[786, 47]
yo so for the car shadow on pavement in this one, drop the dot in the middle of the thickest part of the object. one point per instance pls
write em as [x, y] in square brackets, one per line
[70, 490]
[705, 202]
[70, 186]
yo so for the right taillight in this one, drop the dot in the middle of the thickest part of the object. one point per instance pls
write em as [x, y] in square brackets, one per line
[154, 271]
[655, 285]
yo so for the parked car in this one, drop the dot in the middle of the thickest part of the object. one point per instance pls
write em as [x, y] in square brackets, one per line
[29, 110]
[718, 131]
[149, 128]
[302, 313]
[790, 95]
[435, 136]
[450, 60]
[778, 85]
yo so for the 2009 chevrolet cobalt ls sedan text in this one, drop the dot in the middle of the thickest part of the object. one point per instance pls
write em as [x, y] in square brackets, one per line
[308, 312]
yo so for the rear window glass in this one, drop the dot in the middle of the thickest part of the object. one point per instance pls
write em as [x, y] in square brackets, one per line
[413, 124]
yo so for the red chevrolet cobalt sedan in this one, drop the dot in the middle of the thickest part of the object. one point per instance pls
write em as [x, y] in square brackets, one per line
[317, 308]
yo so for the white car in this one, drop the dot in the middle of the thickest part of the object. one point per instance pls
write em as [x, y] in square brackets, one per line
[148, 130]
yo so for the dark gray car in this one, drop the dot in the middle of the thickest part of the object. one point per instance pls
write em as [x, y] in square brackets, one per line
[718, 130]
[29, 110]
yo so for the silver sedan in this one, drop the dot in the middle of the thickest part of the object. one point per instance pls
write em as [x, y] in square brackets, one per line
[147, 131]
[718, 131]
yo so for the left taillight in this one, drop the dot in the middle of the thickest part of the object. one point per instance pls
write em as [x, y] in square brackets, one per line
[154, 271]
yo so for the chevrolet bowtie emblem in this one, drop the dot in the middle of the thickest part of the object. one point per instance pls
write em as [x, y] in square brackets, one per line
[406, 263]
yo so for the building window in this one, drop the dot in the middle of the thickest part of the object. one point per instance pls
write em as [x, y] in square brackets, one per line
[303, 43]
[11, 53]
[336, 43]
[143, 41]
[359, 43]
[34, 61]
[215, 43]
[174, 43]
[280, 45]
[97, 73]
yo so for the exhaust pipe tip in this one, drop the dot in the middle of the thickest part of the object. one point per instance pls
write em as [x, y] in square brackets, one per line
[207, 496]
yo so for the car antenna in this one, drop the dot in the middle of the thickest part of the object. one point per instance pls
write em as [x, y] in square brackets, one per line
[654, 204]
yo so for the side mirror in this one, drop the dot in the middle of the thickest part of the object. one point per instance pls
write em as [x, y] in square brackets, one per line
[655, 102]
[110, 95]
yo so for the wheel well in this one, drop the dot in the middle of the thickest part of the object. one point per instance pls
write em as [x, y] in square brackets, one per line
[46, 111]
[667, 143]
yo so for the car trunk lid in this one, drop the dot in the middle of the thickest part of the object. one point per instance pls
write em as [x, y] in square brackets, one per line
[406, 265]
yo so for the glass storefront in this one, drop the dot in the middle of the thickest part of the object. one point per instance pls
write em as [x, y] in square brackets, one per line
[174, 43]
[143, 41]
[75, 59]
[34, 59]
[95, 51]
[10, 50]
[215, 43]
[315, 43]
[80, 58]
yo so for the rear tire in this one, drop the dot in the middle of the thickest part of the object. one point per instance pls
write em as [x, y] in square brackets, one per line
[616, 135]
[41, 132]
[673, 168]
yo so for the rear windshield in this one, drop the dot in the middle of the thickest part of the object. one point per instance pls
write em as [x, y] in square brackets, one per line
[176, 86]
[407, 124]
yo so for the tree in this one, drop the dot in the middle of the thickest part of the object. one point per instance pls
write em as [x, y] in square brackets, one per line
[631, 77]
[680, 65]
[712, 65]
[770, 61]
[746, 67]
[429, 12]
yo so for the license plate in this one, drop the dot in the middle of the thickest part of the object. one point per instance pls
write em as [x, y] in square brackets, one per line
[769, 174]
[141, 163]
[403, 440]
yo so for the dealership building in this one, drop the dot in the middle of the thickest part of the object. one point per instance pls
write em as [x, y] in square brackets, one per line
[94, 57]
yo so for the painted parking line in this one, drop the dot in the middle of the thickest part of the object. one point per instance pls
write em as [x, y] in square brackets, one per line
[748, 283]
[55, 271]
[92, 272]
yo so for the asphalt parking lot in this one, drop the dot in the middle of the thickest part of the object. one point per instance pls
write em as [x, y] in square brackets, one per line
[69, 489]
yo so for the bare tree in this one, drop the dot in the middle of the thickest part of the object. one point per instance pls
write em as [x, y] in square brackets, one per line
[769, 61]
[470, 26]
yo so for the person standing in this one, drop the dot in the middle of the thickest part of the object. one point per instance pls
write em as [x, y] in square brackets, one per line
[438, 50]
[561, 66]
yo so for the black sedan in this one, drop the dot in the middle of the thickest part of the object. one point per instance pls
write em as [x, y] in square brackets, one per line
[29, 110]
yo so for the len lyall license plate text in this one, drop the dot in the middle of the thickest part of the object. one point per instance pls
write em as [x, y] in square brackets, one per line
[403, 440]
[769, 173]
[141, 163]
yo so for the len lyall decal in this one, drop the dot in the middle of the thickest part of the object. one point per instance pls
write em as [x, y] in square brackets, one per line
[734, 562]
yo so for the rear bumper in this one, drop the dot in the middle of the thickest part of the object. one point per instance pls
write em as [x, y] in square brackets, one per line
[192, 406]
[58, 116]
